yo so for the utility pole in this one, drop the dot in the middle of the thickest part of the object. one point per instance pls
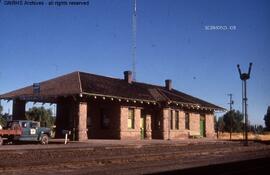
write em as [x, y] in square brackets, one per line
[244, 77]
[230, 115]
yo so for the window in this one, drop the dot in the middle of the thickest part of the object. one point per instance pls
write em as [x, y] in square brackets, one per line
[24, 124]
[34, 125]
[171, 119]
[176, 119]
[131, 116]
[187, 120]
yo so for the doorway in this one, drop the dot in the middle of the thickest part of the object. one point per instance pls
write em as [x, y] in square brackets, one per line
[142, 126]
[202, 126]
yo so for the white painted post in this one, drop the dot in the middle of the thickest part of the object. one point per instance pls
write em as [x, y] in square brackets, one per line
[66, 137]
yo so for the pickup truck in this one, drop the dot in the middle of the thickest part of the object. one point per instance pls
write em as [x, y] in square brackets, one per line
[25, 130]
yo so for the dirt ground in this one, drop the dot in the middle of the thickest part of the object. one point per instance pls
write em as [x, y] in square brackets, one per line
[123, 157]
[239, 136]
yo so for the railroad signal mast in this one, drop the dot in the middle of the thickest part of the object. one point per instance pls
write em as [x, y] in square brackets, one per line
[244, 77]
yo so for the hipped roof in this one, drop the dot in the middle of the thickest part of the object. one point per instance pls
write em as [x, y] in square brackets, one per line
[77, 83]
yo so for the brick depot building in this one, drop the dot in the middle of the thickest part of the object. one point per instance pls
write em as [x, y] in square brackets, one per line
[99, 107]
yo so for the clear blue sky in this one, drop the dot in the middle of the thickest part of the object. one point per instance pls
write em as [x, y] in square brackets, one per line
[39, 43]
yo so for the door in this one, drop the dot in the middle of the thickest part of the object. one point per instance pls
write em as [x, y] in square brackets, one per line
[25, 129]
[29, 131]
[34, 131]
[142, 126]
[202, 126]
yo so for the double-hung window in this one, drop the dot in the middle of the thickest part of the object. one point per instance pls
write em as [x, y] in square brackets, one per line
[177, 120]
[187, 121]
[131, 117]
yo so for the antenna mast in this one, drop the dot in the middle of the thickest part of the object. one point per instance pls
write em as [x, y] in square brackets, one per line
[134, 41]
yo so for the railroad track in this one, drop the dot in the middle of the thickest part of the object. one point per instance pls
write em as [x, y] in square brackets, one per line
[109, 159]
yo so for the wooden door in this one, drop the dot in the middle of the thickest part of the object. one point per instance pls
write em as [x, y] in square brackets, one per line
[202, 126]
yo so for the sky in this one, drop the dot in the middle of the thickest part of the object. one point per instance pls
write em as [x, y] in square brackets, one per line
[196, 43]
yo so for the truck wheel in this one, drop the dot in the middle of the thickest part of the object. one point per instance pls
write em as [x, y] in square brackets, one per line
[44, 139]
[1, 141]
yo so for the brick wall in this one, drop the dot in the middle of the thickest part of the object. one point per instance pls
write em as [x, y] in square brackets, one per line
[180, 133]
[182, 120]
[81, 131]
[165, 123]
[158, 121]
[125, 132]
[194, 123]
[209, 125]
[148, 127]
[95, 128]
[71, 116]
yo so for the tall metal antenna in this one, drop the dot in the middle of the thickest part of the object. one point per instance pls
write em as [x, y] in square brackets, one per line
[134, 36]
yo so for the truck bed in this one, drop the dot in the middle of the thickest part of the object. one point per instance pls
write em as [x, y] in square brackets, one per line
[8, 132]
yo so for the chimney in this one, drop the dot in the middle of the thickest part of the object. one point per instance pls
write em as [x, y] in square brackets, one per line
[128, 76]
[168, 84]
